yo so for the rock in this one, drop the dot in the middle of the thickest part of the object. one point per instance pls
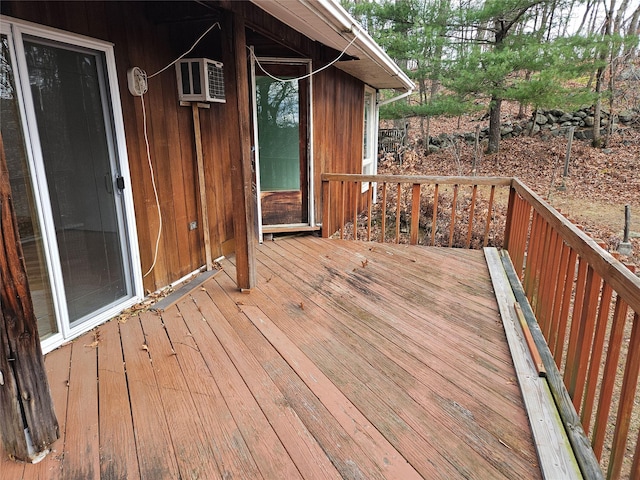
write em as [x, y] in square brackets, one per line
[558, 113]
[589, 121]
[631, 73]
[625, 248]
[579, 135]
[506, 130]
[566, 124]
[626, 116]
[565, 117]
[608, 151]
[552, 118]
[581, 114]
[433, 149]
[541, 119]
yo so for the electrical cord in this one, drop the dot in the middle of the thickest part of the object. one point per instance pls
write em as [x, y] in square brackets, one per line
[153, 182]
[188, 51]
[253, 55]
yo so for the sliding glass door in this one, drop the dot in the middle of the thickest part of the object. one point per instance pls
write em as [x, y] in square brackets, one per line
[65, 162]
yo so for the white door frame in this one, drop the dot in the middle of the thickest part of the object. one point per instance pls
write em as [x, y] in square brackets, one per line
[254, 106]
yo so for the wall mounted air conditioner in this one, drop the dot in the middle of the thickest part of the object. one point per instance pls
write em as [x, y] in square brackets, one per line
[200, 80]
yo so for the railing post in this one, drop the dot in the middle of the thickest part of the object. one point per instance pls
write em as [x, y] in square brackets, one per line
[415, 214]
[510, 219]
[326, 208]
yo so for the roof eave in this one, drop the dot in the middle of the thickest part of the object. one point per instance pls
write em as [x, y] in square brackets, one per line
[327, 22]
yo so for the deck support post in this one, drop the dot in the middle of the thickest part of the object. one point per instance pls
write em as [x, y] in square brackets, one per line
[28, 424]
[244, 201]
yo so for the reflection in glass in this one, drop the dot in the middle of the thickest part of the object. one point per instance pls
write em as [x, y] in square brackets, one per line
[278, 134]
[23, 199]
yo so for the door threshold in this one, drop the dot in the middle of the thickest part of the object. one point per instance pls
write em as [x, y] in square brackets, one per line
[289, 228]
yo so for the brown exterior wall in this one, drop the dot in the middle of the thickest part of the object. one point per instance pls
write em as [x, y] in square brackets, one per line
[338, 119]
[139, 41]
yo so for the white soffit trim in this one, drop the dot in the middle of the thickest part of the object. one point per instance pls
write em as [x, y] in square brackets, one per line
[325, 21]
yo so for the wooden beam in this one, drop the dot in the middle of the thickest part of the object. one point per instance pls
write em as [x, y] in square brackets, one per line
[202, 184]
[28, 424]
[244, 201]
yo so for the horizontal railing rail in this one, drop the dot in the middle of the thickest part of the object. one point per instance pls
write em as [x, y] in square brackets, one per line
[586, 302]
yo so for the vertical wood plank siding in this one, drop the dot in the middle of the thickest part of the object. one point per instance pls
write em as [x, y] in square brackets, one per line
[338, 102]
[338, 106]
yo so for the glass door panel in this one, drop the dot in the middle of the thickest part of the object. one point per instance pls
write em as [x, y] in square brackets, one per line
[281, 118]
[278, 134]
[75, 138]
[23, 198]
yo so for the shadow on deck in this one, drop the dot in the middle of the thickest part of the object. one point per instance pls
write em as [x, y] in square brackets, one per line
[350, 360]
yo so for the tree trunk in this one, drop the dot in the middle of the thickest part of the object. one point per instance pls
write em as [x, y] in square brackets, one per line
[494, 125]
[28, 424]
[597, 109]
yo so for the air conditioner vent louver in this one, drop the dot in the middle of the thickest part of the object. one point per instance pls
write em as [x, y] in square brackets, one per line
[200, 80]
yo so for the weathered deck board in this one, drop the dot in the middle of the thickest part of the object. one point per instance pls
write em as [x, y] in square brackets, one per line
[349, 360]
[156, 456]
[440, 430]
[230, 450]
[117, 443]
[82, 411]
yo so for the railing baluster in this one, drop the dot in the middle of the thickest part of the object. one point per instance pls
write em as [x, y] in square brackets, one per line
[596, 356]
[543, 276]
[370, 207]
[357, 193]
[398, 213]
[471, 210]
[488, 226]
[627, 396]
[609, 376]
[342, 209]
[453, 214]
[569, 369]
[557, 301]
[434, 222]
[383, 225]
[585, 335]
[566, 305]
[539, 266]
[529, 270]
[552, 283]
[415, 214]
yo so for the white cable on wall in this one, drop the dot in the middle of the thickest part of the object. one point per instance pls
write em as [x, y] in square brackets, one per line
[153, 182]
[253, 55]
[188, 51]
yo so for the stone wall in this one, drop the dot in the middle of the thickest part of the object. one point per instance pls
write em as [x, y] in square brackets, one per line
[549, 122]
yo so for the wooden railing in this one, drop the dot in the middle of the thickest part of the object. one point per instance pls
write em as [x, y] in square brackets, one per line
[586, 303]
[411, 198]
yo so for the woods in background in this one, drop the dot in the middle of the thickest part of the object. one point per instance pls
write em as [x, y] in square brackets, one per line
[467, 54]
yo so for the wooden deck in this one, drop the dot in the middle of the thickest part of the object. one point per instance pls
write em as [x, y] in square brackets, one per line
[350, 360]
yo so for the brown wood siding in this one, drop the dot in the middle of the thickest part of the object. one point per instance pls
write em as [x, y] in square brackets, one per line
[140, 42]
[338, 113]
